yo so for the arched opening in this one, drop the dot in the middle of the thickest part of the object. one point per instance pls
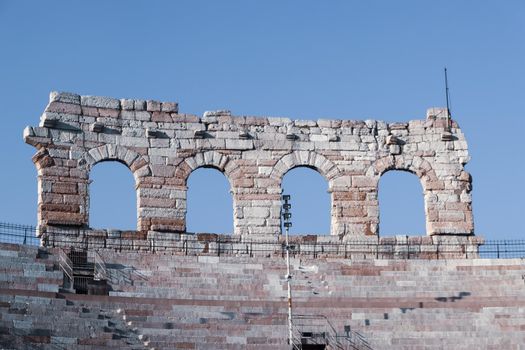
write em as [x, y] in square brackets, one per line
[112, 197]
[310, 201]
[401, 204]
[209, 207]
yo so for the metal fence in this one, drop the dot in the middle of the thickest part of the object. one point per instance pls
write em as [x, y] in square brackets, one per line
[18, 234]
[217, 245]
[503, 249]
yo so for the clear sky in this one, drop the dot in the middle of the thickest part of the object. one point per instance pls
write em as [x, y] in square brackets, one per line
[300, 59]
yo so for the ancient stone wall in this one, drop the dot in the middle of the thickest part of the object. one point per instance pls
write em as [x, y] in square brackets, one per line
[162, 146]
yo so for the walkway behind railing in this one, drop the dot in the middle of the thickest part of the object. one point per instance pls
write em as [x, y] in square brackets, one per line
[189, 244]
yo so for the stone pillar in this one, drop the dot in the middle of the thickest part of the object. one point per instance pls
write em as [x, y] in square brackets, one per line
[161, 208]
[61, 200]
[256, 196]
[357, 206]
[342, 200]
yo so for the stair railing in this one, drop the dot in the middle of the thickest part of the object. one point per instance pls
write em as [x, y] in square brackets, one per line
[100, 270]
[320, 324]
[66, 265]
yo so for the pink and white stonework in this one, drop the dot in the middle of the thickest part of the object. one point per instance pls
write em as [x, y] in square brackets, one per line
[162, 146]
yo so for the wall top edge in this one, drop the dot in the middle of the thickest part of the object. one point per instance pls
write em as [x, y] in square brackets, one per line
[87, 102]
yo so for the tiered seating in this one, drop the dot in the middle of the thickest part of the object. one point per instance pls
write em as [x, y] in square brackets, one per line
[190, 277]
[179, 323]
[459, 304]
[35, 316]
[394, 304]
[20, 270]
[187, 302]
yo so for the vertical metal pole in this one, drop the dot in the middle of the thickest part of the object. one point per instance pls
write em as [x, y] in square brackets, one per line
[287, 215]
[288, 281]
[449, 126]
[408, 248]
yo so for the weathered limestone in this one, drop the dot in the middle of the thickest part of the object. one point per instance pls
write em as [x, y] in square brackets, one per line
[162, 146]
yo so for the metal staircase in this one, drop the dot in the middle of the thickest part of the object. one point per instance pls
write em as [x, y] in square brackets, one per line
[315, 332]
[83, 273]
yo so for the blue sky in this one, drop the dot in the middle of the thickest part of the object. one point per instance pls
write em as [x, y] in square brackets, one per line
[300, 59]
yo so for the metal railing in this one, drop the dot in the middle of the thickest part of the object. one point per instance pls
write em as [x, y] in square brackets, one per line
[18, 234]
[66, 265]
[189, 244]
[317, 329]
[503, 249]
[100, 270]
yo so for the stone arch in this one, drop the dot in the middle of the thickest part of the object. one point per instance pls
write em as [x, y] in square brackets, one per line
[133, 160]
[422, 169]
[317, 162]
[415, 165]
[309, 159]
[208, 159]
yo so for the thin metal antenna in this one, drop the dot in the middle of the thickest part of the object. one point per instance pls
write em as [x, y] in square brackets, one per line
[447, 94]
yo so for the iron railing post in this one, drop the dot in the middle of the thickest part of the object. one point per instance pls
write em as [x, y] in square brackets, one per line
[408, 248]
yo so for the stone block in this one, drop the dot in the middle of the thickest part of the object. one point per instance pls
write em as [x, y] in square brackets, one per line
[139, 105]
[108, 113]
[100, 102]
[239, 144]
[61, 107]
[256, 212]
[170, 107]
[161, 117]
[47, 287]
[153, 106]
[363, 182]
[65, 188]
[127, 104]
[65, 97]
